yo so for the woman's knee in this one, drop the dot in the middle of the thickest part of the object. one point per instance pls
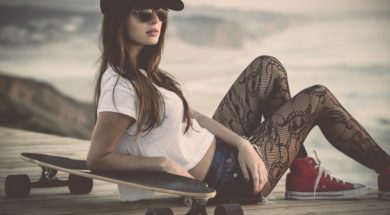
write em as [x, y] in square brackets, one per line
[317, 93]
[318, 88]
[269, 64]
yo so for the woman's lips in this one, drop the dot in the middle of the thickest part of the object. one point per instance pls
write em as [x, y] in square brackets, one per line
[153, 32]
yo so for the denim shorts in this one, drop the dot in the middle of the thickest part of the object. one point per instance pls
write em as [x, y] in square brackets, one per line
[226, 177]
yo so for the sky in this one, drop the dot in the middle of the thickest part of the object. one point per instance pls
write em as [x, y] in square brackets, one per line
[285, 6]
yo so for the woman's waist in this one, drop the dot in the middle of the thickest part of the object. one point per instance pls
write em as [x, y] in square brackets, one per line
[200, 170]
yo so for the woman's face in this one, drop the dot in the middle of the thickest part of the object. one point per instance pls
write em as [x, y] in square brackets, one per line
[144, 32]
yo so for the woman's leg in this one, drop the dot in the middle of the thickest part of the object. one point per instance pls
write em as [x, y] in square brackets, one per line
[261, 89]
[280, 136]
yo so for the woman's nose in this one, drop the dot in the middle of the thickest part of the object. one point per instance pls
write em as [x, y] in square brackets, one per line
[155, 18]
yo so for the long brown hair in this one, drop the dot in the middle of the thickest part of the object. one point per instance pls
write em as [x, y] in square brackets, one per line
[116, 53]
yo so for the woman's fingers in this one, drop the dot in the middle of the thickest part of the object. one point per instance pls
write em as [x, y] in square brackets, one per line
[265, 175]
[264, 178]
[258, 174]
[253, 167]
[261, 180]
[256, 181]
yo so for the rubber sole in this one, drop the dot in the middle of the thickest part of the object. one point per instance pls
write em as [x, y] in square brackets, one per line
[346, 194]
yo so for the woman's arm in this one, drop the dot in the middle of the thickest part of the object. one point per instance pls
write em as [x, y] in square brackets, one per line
[218, 129]
[250, 162]
[109, 127]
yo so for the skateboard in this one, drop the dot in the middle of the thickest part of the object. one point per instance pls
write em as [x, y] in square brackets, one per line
[80, 181]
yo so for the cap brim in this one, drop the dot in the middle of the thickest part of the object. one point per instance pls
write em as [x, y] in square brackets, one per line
[176, 5]
[112, 5]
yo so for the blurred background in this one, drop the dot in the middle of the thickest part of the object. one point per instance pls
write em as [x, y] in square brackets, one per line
[49, 54]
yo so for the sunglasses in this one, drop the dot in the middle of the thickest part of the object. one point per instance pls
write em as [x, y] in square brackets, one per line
[147, 15]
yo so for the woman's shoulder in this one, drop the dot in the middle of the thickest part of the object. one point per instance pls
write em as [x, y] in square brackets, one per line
[109, 73]
[111, 78]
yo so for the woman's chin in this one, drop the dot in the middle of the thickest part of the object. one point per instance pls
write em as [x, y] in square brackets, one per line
[151, 42]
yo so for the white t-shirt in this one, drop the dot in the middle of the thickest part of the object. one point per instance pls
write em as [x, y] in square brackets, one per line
[166, 140]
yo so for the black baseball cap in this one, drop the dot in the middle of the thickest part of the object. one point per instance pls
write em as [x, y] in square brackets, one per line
[108, 5]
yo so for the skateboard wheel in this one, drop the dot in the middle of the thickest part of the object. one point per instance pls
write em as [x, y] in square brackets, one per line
[229, 209]
[160, 211]
[17, 186]
[79, 185]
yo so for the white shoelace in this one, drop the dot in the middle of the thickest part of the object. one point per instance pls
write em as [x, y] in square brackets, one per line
[320, 171]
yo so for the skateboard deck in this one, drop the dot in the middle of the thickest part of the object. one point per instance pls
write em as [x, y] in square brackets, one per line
[147, 180]
[80, 181]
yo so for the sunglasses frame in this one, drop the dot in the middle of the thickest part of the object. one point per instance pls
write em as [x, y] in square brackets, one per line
[150, 14]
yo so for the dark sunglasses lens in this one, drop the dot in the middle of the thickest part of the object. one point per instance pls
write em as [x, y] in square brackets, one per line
[145, 16]
[162, 15]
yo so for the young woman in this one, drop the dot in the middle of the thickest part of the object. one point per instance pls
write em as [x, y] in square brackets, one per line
[145, 123]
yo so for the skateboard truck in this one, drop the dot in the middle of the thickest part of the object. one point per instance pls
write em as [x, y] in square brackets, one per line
[197, 206]
[48, 179]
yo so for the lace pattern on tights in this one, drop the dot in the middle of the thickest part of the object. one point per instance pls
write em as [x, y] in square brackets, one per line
[262, 90]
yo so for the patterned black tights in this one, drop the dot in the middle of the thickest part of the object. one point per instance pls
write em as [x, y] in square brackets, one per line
[262, 90]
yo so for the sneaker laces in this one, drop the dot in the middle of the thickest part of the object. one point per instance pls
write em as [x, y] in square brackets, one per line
[322, 170]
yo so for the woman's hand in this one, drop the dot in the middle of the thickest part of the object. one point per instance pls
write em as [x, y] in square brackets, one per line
[252, 166]
[170, 166]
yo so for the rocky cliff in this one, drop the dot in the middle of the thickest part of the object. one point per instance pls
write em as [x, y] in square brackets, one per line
[36, 106]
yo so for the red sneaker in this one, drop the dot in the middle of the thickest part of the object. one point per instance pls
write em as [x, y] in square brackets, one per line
[384, 184]
[309, 180]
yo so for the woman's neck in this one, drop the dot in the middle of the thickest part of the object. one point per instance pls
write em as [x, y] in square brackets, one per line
[136, 49]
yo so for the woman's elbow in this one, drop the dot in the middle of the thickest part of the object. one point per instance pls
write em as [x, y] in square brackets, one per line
[91, 163]
[94, 162]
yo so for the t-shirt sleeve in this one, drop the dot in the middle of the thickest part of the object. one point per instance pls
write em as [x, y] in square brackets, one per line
[121, 98]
